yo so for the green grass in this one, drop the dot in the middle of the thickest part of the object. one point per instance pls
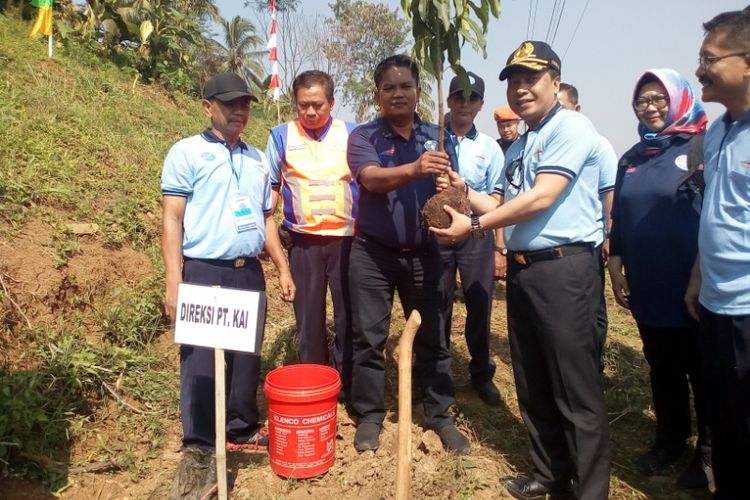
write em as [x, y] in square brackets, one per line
[82, 144]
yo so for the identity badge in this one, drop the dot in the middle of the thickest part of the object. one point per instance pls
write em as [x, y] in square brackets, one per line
[244, 218]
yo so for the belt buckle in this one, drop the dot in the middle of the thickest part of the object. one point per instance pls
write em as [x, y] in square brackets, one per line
[239, 262]
[520, 259]
[558, 251]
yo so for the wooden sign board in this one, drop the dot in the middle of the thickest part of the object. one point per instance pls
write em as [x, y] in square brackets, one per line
[222, 318]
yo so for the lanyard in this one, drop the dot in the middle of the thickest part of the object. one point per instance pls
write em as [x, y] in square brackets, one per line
[235, 172]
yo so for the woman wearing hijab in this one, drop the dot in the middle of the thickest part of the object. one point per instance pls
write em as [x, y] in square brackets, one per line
[654, 242]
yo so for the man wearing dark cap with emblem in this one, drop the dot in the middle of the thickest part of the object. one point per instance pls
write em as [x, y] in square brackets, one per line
[216, 218]
[550, 212]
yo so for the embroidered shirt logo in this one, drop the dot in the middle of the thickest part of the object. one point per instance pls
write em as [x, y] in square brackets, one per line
[208, 156]
[681, 162]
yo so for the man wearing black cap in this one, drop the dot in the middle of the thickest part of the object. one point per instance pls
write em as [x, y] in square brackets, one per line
[480, 161]
[216, 218]
[550, 213]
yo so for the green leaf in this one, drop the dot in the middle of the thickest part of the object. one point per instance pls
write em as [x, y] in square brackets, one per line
[146, 29]
[460, 72]
[483, 13]
[424, 7]
[444, 13]
[454, 50]
[494, 7]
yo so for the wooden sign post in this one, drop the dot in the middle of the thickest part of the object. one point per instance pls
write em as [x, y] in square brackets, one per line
[220, 318]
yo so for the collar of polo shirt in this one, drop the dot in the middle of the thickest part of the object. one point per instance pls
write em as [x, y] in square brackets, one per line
[209, 136]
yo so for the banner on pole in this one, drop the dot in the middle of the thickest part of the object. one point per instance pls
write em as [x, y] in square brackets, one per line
[224, 318]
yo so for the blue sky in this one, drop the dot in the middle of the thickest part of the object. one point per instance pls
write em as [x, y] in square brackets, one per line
[616, 41]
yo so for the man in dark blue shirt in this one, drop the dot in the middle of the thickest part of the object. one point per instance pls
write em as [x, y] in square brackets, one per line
[391, 160]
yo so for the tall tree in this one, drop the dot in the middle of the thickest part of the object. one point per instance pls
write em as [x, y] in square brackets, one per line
[361, 35]
[239, 52]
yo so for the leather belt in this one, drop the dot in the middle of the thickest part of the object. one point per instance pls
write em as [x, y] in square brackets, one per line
[367, 239]
[236, 263]
[528, 258]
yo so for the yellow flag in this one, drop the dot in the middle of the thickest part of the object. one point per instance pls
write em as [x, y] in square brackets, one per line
[43, 23]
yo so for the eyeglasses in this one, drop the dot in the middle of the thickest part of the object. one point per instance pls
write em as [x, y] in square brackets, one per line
[659, 101]
[705, 61]
[512, 172]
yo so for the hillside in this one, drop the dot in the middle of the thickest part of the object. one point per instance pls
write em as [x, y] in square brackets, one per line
[88, 369]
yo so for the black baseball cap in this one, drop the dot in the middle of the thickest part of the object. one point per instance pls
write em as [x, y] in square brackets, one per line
[476, 83]
[227, 86]
[531, 55]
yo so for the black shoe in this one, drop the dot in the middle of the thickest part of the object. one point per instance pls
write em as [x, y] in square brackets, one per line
[527, 488]
[367, 436]
[453, 440]
[660, 457]
[699, 474]
[488, 392]
[195, 476]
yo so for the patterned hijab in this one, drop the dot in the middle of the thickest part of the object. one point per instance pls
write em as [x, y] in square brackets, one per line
[685, 115]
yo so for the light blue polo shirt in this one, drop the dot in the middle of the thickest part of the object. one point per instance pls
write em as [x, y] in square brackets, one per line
[480, 160]
[567, 144]
[203, 169]
[607, 174]
[724, 234]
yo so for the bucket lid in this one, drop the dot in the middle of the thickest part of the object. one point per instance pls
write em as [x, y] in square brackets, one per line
[302, 380]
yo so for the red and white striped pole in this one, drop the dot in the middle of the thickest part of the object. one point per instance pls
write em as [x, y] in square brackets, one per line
[273, 57]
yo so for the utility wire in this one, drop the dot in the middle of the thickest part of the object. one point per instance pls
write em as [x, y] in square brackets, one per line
[551, 21]
[528, 23]
[575, 31]
[533, 22]
[557, 26]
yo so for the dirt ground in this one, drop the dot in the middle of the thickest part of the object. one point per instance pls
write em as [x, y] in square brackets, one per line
[40, 289]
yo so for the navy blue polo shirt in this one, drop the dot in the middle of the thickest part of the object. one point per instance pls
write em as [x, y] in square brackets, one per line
[655, 231]
[393, 219]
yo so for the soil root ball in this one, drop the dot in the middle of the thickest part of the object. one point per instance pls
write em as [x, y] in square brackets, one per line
[433, 214]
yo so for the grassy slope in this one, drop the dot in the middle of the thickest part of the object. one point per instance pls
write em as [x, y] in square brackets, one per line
[82, 144]
[79, 137]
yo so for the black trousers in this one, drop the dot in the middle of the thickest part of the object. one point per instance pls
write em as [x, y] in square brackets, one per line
[475, 262]
[602, 321]
[317, 263]
[674, 358]
[375, 272]
[552, 310]
[197, 399]
[726, 353]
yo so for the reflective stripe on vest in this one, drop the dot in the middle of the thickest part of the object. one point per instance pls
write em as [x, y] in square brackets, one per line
[317, 189]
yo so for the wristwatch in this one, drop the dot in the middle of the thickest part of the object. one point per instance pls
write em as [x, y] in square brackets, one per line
[501, 250]
[476, 228]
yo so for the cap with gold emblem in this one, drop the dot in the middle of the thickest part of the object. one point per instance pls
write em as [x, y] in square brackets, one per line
[531, 55]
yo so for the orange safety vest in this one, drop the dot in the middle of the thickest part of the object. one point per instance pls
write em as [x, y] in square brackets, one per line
[317, 190]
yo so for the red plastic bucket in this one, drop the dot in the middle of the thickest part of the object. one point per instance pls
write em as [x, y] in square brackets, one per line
[302, 419]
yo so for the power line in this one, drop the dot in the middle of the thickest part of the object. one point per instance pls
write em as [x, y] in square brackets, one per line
[533, 22]
[557, 26]
[575, 31]
[551, 21]
[528, 23]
